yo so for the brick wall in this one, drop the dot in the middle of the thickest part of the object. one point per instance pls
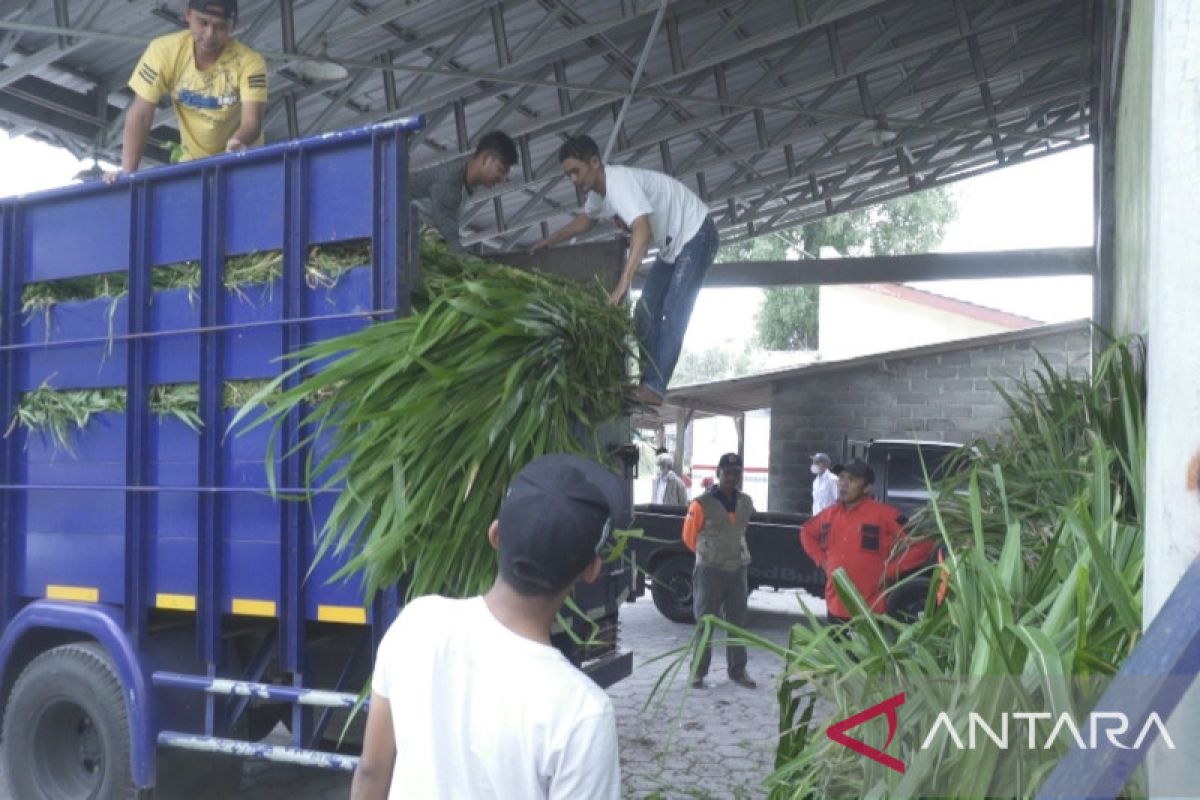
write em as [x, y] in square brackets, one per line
[946, 396]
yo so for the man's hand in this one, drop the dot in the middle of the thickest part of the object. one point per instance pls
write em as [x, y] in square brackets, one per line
[111, 177]
[618, 293]
[235, 145]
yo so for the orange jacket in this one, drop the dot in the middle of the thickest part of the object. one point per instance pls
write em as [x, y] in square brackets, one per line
[860, 541]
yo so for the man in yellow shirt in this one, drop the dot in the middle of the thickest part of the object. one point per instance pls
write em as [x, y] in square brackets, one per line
[217, 85]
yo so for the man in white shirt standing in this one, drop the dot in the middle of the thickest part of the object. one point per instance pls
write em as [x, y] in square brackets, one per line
[469, 698]
[824, 488]
[659, 212]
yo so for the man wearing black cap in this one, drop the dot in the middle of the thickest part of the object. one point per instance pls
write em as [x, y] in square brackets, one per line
[469, 699]
[715, 530]
[217, 85]
[858, 534]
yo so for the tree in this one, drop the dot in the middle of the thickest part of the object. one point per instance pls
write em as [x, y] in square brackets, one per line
[713, 364]
[911, 223]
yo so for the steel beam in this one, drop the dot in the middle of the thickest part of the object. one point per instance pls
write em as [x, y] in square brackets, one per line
[899, 269]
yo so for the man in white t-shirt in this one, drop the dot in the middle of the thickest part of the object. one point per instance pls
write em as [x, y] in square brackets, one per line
[824, 486]
[659, 212]
[469, 699]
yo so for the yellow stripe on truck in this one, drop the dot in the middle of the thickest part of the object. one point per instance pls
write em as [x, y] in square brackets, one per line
[254, 608]
[78, 594]
[175, 602]
[349, 615]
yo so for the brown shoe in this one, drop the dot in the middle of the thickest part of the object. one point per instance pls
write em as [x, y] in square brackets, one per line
[742, 679]
[644, 395]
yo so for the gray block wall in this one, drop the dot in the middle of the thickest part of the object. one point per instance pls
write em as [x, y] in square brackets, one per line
[950, 396]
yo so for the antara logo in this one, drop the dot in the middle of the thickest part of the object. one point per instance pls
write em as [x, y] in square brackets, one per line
[1113, 724]
[837, 732]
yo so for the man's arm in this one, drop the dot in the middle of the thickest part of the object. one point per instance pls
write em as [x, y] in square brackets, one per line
[810, 540]
[910, 555]
[249, 129]
[139, 116]
[639, 243]
[446, 200]
[373, 776]
[576, 227]
[692, 524]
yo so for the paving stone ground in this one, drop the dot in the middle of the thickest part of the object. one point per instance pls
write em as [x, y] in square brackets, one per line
[718, 742]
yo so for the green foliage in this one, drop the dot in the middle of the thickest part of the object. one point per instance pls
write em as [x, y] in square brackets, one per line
[789, 319]
[437, 411]
[1045, 535]
[713, 364]
[912, 223]
[58, 413]
[325, 265]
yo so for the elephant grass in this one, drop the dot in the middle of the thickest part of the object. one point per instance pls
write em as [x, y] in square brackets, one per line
[59, 412]
[1045, 575]
[434, 413]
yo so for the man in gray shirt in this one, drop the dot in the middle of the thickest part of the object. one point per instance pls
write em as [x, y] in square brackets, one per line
[440, 193]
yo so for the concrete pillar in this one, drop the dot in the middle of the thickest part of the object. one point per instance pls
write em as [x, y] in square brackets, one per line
[1173, 511]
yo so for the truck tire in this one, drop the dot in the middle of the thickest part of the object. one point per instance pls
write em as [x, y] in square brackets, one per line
[66, 728]
[671, 588]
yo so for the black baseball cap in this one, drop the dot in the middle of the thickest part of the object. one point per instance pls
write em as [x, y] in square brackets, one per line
[218, 8]
[856, 468]
[558, 514]
[730, 461]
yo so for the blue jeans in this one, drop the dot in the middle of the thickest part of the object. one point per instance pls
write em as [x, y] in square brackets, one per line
[663, 311]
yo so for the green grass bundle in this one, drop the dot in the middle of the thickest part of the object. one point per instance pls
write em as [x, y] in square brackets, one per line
[434, 413]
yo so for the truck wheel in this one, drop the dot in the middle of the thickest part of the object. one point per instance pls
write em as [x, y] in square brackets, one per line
[66, 729]
[671, 588]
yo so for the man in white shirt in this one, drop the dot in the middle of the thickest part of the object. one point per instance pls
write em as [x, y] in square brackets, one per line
[668, 487]
[469, 699]
[824, 487]
[659, 212]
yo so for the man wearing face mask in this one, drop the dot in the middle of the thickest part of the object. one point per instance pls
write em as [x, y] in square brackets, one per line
[824, 486]
[668, 487]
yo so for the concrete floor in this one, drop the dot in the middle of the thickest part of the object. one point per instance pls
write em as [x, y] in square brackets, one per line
[712, 743]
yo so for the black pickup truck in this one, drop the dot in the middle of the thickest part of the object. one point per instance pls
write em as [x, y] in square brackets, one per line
[776, 557]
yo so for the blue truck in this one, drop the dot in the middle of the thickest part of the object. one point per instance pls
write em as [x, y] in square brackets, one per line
[160, 611]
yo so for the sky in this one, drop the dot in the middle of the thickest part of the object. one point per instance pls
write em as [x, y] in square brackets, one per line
[1044, 203]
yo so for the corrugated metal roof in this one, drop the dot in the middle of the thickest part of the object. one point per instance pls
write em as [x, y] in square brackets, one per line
[776, 111]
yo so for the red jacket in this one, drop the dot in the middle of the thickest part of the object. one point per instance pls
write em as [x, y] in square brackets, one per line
[860, 541]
